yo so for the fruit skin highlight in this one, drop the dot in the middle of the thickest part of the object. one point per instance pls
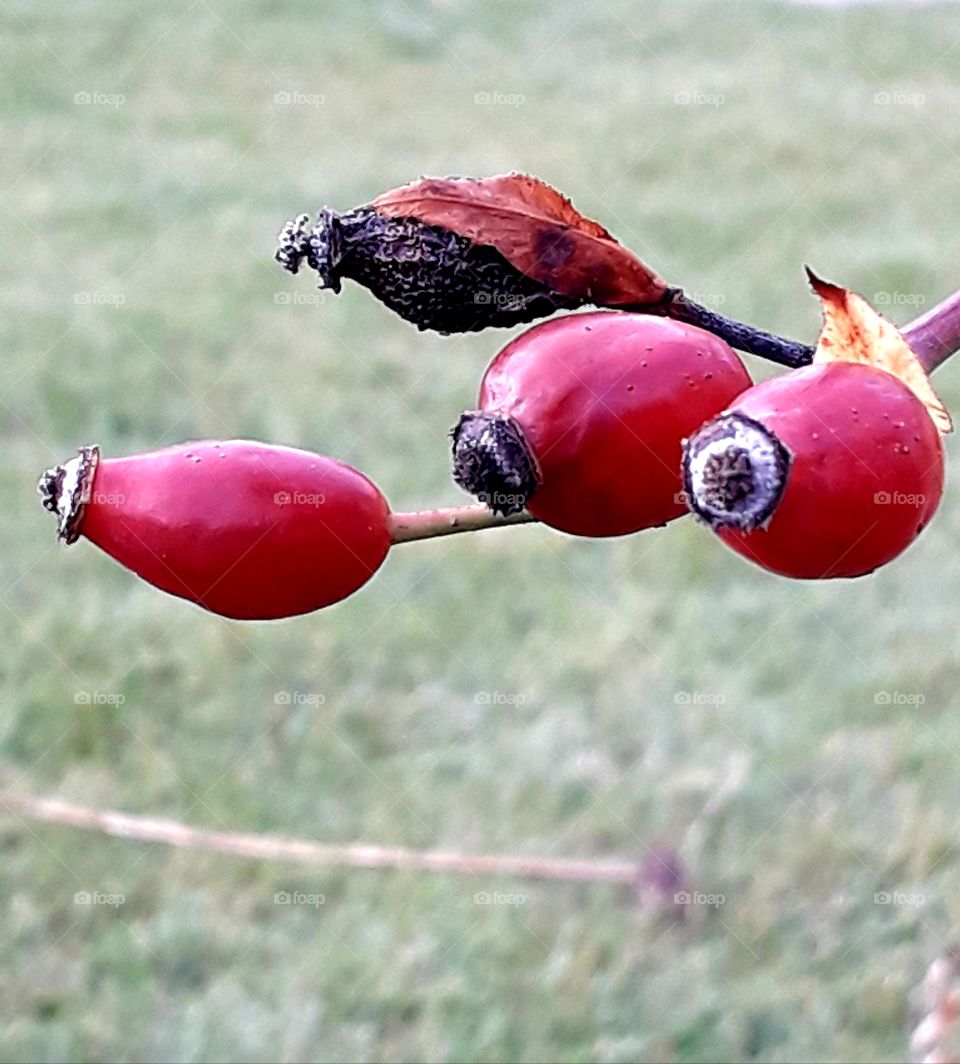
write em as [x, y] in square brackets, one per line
[581, 420]
[828, 471]
[244, 529]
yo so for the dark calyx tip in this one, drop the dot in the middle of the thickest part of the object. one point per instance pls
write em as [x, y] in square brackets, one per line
[65, 491]
[294, 240]
[492, 461]
[734, 472]
[321, 245]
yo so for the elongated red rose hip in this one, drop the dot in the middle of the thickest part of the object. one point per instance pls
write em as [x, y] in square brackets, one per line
[244, 529]
[581, 420]
[831, 470]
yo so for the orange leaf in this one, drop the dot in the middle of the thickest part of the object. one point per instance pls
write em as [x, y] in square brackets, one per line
[537, 230]
[854, 332]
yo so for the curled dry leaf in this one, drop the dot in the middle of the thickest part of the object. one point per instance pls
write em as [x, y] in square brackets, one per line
[854, 332]
[537, 230]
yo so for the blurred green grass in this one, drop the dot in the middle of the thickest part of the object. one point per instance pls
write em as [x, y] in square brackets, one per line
[140, 307]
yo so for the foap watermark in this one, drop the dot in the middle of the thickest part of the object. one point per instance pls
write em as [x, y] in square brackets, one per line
[298, 897]
[298, 299]
[497, 897]
[286, 98]
[99, 299]
[705, 299]
[499, 99]
[99, 99]
[903, 899]
[299, 698]
[99, 897]
[710, 497]
[698, 897]
[499, 698]
[501, 300]
[899, 299]
[699, 99]
[108, 498]
[502, 499]
[698, 698]
[899, 698]
[299, 498]
[899, 98]
[98, 698]
[899, 498]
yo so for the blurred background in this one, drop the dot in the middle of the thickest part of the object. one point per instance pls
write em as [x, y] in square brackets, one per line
[795, 747]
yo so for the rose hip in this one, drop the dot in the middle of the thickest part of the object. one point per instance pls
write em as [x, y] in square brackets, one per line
[581, 420]
[244, 529]
[831, 470]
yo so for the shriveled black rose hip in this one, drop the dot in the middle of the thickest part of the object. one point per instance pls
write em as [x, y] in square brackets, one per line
[428, 275]
[460, 254]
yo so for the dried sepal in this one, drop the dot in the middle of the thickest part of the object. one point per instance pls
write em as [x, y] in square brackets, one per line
[319, 244]
[493, 461]
[65, 490]
[734, 472]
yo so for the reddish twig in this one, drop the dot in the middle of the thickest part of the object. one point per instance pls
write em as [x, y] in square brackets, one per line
[935, 336]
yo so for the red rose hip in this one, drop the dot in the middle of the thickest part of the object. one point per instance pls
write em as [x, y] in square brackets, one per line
[244, 529]
[831, 470]
[581, 420]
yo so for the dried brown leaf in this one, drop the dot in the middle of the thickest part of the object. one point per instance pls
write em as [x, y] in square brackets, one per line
[854, 332]
[537, 230]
